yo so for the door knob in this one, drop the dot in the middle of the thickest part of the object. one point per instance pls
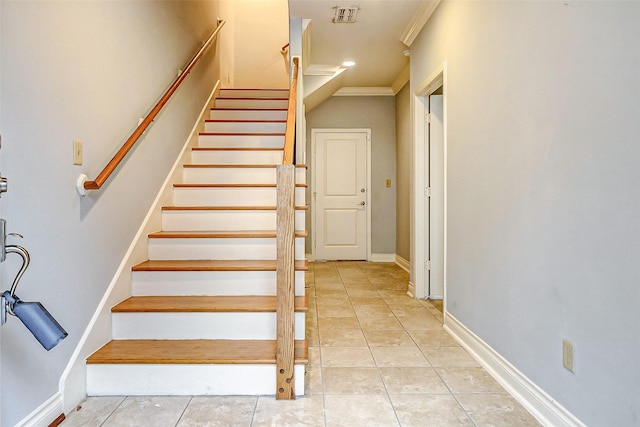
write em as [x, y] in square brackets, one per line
[362, 203]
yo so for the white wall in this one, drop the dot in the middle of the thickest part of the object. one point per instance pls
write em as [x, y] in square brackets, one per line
[87, 71]
[378, 114]
[543, 206]
[259, 29]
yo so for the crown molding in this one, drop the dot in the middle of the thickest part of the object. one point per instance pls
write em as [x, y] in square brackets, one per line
[401, 80]
[419, 21]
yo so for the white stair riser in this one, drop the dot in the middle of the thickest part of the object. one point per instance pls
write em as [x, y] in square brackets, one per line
[245, 127]
[199, 326]
[185, 380]
[209, 283]
[257, 104]
[233, 220]
[241, 141]
[218, 248]
[231, 175]
[221, 157]
[230, 196]
[248, 114]
[253, 93]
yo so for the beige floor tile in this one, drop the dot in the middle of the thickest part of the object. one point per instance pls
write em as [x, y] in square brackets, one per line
[331, 300]
[418, 323]
[402, 301]
[378, 310]
[449, 356]
[335, 310]
[365, 297]
[320, 292]
[387, 322]
[469, 380]
[359, 285]
[329, 286]
[313, 381]
[314, 356]
[393, 293]
[217, 411]
[384, 337]
[92, 411]
[499, 410]
[412, 381]
[138, 410]
[344, 357]
[338, 323]
[433, 338]
[342, 338]
[363, 293]
[409, 356]
[354, 410]
[313, 338]
[411, 311]
[352, 381]
[303, 411]
[420, 410]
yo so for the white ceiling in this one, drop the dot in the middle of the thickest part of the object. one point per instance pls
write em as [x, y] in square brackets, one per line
[373, 42]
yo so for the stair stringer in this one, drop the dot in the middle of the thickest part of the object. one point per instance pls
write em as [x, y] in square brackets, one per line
[73, 381]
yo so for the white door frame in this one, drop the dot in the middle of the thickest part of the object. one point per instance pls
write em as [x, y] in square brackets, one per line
[419, 219]
[314, 131]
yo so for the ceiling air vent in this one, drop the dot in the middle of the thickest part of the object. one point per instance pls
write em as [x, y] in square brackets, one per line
[345, 15]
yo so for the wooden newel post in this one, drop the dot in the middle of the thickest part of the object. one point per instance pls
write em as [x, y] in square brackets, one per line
[285, 237]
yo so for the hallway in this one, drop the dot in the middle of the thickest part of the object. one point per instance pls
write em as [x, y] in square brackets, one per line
[376, 358]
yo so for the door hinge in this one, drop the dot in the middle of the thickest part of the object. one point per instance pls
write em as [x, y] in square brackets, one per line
[427, 191]
[427, 265]
[427, 117]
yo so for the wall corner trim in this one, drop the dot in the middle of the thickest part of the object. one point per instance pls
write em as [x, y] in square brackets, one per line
[403, 263]
[542, 406]
[45, 414]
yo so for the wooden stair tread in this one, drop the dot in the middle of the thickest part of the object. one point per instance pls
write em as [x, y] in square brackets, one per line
[226, 208]
[193, 352]
[249, 234]
[204, 304]
[231, 185]
[214, 265]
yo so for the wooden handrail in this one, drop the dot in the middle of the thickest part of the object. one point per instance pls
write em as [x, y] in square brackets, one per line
[83, 185]
[289, 138]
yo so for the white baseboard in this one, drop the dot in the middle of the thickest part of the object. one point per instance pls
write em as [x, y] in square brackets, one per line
[72, 385]
[403, 263]
[533, 398]
[382, 257]
[45, 414]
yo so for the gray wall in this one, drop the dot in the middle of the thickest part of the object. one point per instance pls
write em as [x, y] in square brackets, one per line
[87, 71]
[378, 114]
[542, 185]
[403, 173]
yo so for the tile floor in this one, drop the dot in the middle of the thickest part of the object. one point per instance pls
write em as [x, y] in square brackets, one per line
[377, 358]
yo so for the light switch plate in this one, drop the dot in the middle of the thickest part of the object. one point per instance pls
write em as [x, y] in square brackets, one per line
[77, 152]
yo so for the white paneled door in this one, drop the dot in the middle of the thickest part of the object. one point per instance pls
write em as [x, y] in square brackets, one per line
[340, 190]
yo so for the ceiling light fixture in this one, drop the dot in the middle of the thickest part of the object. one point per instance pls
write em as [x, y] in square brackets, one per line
[345, 15]
[348, 64]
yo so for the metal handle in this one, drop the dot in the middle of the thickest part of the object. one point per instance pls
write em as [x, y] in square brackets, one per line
[3, 184]
[362, 203]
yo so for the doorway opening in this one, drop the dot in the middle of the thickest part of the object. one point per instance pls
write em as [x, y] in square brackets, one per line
[428, 264]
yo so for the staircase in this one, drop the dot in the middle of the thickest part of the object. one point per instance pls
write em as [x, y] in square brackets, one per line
[202, 318]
